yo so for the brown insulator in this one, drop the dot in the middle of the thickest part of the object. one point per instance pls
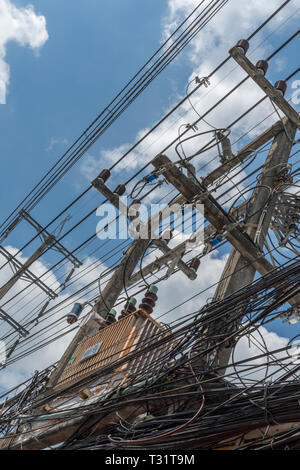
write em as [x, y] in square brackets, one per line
[129, 307]
[104, 175]
[148, 302]
[120, 189]
[243, 45]
[262, 66]
[281, 86]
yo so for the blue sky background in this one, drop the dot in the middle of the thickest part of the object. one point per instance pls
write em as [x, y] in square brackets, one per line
[90, 54]
[92, 51]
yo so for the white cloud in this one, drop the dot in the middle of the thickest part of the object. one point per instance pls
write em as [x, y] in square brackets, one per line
[179, 288]
[23, 26]
[26, 307]
[56, 141]
[28, 304]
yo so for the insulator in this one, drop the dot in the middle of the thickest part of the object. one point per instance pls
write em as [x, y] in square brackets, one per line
[281, 86]
[195, 264]
[104, 175]
[153, 289]
[148, 302]
[111, 317]
[129, 307]
[120, 189]
[167, 236]
[243, 45]
[75, 313]
[262, 66]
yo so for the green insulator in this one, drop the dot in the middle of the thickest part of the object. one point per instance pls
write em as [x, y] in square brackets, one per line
[113, 312]
[132, 301]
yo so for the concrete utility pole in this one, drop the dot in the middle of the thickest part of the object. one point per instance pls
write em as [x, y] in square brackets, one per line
[246, 256]
[237, 272]
[105, 302]
[247, 253]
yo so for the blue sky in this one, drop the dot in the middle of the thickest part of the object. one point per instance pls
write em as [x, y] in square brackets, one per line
[93, 49]
[88, 57]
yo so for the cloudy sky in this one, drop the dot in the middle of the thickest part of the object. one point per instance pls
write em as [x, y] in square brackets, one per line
[61, 61]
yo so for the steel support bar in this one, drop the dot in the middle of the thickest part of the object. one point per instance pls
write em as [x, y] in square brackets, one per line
[161, 244]
[8, 319]
[265, 85]
[8, 285]
[30, 275]
[56, 244]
